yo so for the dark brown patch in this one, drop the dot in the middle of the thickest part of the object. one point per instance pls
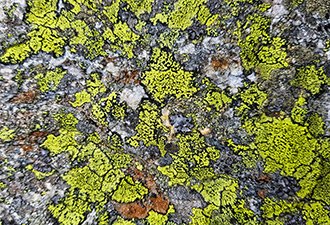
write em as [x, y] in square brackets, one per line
[219, 63]
[25, 97]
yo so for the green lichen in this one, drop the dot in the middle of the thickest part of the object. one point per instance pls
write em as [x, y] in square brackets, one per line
[71, 210]
[259, 50]
[192, 160]
[50, 80]
[299, 111]
[121, 221]
[16, 54]
[149, 126]
[2, 185]
[315, 125]
[217, 99]
[155, 218]
[81, 98]
[39, 175]
[7, 134]
[167, 78]
[129, 191]
[252, 98]
[310, 78]
[140, 6]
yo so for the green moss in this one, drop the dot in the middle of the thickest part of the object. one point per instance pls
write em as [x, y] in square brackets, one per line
[129, 191]
[81, 98]
[7, 134]
[309, 78]
[50, 80]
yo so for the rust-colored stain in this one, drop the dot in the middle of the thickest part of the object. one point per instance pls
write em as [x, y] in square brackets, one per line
[27, 148]
[140, 209]
[134, 210]
[159, 204]
[25, 97]
[219, 63]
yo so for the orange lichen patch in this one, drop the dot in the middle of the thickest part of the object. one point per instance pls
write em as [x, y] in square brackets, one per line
[25, 97]
[134, 210]
[159, 204]
[219, 63]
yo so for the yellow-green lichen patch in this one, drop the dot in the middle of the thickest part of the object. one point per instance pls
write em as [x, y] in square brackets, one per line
[315, 125]
[167, 78]
[121, 221]
[7, 134]
[149, 126]
[140, 6]
[299, 111]
[39, 175]
[155, 218]
[129, 191]
[259, 50]
[290, 148]
[220, 191]
[183, 14]
[16, 53]
[192, 160]
[50, 80]
[81, 98]
[310, 78]
[252, 98]
[72, 209]
[217, 99]
[283, 144]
